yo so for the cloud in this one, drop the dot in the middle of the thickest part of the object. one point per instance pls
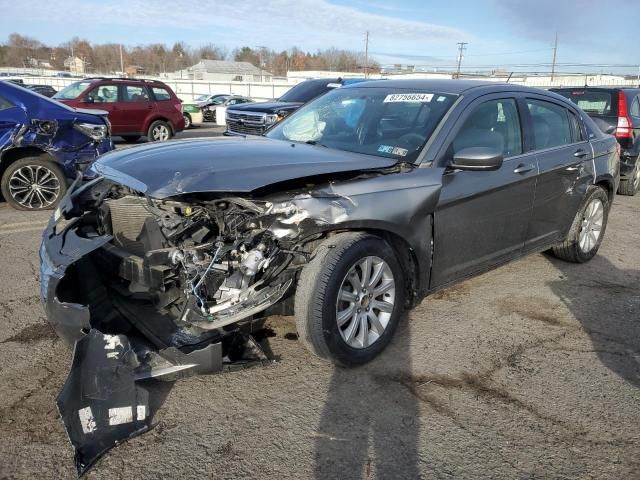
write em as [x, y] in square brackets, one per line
[310, 24]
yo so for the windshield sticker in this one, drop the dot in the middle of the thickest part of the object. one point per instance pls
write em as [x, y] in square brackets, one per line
[408, 97]
[401, 152]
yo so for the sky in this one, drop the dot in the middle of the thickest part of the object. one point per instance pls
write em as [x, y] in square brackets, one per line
[509, 34]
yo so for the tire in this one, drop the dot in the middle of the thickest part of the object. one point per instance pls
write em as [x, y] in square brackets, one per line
[579, 246]
[21, 175]
[317, 305]
[187, 120]
[131, 138]
[631, 185]
[159, 131]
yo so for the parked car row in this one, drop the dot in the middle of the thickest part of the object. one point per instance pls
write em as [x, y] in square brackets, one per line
[204, 107]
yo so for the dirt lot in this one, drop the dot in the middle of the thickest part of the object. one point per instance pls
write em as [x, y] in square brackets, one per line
[530, 371]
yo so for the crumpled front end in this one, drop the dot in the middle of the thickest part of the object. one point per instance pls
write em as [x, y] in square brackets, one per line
[148, 291]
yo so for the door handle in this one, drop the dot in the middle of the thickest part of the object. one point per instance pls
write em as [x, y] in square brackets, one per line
[524, 168]
[580, 153]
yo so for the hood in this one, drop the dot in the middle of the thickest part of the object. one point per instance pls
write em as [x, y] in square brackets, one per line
[266, 107]
[225, 164]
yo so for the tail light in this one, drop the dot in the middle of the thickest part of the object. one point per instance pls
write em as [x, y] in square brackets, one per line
[178, 107]
[625, 127]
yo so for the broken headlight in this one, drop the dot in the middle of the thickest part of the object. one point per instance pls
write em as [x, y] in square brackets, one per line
[93, 131]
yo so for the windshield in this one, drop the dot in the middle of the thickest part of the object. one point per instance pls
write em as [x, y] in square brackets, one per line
[306, 91]
[72, 91]
[201, 98]
[386, 122]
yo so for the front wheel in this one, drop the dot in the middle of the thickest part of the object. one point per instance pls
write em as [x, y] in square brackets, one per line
[33, 183]
[159, 131]
[350, 298]
[587, 230]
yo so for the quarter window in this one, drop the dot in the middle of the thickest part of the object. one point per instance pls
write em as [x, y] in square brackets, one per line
[135, 94]
[494, 124]
[551, 127]
[5, 104]
[635, 108]
[104, 94]
[161, 94]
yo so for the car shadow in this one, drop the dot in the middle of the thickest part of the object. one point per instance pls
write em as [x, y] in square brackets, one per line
[369, 425]
[605, 299]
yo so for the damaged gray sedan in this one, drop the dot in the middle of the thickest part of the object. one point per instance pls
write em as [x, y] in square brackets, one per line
[162, 260]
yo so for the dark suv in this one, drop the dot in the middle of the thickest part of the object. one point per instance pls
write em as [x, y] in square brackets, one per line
[136, 107]
[256, 118]
[617, 111]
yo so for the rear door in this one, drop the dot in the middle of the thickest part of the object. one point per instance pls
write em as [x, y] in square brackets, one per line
[482, 217]
[136, 106]
[564, 158]
[11, 119]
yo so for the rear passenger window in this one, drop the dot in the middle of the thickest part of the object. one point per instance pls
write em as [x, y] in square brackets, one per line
[493, 124]
[5, 104]
[135, 94]
[551, 127]
[161, 94]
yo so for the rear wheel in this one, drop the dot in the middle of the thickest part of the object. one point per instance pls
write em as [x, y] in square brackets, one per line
[131, 138]
[159, 131]
[350, 298]
[33, 183]
[587, 231]
[187, 120]
[631, 185]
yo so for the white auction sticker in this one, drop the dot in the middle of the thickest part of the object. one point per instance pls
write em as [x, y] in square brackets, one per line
[87, 421]
[408, 97]
[120, 415]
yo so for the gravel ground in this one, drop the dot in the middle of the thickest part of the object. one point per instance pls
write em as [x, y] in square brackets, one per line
[529, 371]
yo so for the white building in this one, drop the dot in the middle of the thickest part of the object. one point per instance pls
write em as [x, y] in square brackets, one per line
[223, 71]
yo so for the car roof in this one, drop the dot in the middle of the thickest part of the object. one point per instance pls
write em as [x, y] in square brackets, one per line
[444, 86]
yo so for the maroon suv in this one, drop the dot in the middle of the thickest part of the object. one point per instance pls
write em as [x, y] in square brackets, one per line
[136, 107]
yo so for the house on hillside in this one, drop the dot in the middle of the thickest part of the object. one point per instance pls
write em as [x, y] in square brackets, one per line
[223, 71]
[133, 70]
[75, 65]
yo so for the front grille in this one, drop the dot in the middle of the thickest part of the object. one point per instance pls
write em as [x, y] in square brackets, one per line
[247, 117]
[245, 129]
[246, 123]
[128, 215]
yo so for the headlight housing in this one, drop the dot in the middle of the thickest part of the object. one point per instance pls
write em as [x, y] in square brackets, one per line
[93, 131]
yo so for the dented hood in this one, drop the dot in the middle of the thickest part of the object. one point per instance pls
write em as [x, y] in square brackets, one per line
[225, 164]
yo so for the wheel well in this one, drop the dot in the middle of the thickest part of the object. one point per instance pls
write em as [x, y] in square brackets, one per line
[406, 257]
[14, 154]
[607, 186]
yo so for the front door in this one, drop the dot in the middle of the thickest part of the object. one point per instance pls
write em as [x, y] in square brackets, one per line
[106, 97]
[482, 217]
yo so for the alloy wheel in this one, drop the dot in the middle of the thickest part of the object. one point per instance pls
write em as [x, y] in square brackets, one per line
[636, 178]
[592, 222]
[160, 133]
[187, 121]
[34, 186]
[365, 302]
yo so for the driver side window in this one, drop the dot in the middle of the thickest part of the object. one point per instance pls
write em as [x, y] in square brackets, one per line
[104, 94]
[493, 124]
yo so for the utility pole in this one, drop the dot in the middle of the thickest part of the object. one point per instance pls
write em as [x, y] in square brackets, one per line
[462, 46]
[366, 55]
[121, 62]
[555, 52]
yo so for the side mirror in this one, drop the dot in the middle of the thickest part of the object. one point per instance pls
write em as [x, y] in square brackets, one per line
[89, 99]
[478, 159]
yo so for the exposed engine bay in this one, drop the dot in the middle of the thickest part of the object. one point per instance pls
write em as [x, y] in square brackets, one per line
[206, 265]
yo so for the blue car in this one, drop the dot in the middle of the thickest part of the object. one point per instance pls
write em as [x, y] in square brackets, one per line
[44, 145]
